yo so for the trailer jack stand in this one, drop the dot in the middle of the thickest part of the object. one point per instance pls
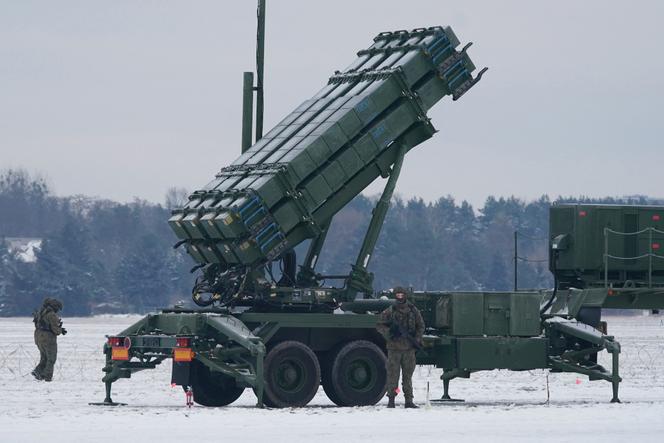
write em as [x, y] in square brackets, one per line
[108, 401]
[615, 376]
[447, 376]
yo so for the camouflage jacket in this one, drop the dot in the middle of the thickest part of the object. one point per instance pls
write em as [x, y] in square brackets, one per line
[409, 318]
[47, 320]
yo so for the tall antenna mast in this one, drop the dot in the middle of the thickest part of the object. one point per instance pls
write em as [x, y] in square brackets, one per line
[249, 88]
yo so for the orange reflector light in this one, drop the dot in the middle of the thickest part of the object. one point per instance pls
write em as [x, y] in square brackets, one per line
[582, 213]
[655, 217]
[655, 245]
[182, 354]
[119, 353]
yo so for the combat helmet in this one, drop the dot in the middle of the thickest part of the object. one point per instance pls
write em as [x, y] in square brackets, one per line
[400, 294]
[53, 303]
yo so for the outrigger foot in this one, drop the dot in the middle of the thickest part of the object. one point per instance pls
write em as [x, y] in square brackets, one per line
[448, 399]
[447, 375]
[107, 403]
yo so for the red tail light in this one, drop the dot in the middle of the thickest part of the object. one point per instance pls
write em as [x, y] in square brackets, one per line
[183, 342]
[116, 342]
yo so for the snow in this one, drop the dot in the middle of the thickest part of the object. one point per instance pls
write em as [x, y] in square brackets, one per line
[500, 405]
[24, 249]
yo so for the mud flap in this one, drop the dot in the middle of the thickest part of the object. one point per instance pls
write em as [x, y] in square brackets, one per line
[180, 373]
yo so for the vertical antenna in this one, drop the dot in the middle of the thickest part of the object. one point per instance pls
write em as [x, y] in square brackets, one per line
[260, 58]
[516, 262]
[249, 88]
[247, 110]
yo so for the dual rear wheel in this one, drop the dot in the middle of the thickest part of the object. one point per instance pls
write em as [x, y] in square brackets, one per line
[352, 374]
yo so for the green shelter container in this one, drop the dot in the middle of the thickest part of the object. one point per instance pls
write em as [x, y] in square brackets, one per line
[615, 245]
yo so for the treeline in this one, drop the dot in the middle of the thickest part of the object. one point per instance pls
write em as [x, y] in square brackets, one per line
[95, 255]
[103, 256]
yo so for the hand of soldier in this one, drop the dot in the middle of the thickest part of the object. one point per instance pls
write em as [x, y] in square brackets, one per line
[64, 331]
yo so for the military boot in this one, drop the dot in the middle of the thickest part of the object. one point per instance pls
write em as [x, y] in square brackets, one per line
[390, 402]
[410, 405]
[36, 375]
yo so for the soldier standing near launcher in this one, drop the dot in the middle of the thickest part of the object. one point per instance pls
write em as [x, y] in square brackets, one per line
[402, 326]
[48, 326]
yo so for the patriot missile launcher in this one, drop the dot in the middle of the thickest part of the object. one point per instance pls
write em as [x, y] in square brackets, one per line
[285, 337]
[288, 186]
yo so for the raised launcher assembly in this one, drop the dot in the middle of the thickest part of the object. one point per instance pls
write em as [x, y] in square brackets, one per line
[287, 187]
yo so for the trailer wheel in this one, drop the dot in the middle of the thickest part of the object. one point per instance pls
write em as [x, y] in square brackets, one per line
[212, 389]
[292, 375]
[359, 374]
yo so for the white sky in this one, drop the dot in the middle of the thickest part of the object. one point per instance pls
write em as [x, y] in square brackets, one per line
[124, 99]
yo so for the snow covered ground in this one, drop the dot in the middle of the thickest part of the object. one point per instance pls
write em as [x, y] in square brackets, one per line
[500, 405]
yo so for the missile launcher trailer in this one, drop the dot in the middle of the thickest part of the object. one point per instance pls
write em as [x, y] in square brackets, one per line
[286, 188]
[284, 338]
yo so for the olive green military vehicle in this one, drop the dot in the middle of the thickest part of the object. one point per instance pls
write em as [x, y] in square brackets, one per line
[283, 336]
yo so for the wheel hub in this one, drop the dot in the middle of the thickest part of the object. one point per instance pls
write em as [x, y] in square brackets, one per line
[360, 375]
[290, 375]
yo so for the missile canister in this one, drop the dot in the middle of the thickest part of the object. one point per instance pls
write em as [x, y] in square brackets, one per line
[289, 184]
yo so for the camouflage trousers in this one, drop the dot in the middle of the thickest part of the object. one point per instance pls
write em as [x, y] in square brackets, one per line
[400, 361]
[47, 343]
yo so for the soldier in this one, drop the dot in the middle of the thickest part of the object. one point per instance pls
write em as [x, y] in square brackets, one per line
[402, 326]
[47, 327]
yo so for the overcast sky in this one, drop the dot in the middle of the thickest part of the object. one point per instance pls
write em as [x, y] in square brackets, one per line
[123, 99]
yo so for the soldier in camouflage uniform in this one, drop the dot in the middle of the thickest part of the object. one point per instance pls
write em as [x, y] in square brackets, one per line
[48, 326]
[402, 326]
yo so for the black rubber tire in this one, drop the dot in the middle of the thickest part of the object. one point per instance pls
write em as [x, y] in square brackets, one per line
[212, 389]
[367, 363]
[326, 375]
[292, 375]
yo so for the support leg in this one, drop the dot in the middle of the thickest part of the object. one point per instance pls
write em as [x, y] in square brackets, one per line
[446, 390]
[449, 374]
[108, 401]
[108, 380]
[108, 398]
[615, 376]
[260, 379]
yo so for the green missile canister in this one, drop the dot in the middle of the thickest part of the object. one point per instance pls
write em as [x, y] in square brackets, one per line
[287, 186]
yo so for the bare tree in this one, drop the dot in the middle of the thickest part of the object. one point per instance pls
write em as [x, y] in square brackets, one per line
[176, 198]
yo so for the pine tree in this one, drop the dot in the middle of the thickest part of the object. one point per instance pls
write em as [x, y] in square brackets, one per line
[497, 279]
[144, 276]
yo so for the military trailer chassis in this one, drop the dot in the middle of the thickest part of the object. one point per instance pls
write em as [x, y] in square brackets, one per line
[285, 357]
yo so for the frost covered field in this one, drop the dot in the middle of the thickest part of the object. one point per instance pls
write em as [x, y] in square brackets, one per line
[500, 405]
